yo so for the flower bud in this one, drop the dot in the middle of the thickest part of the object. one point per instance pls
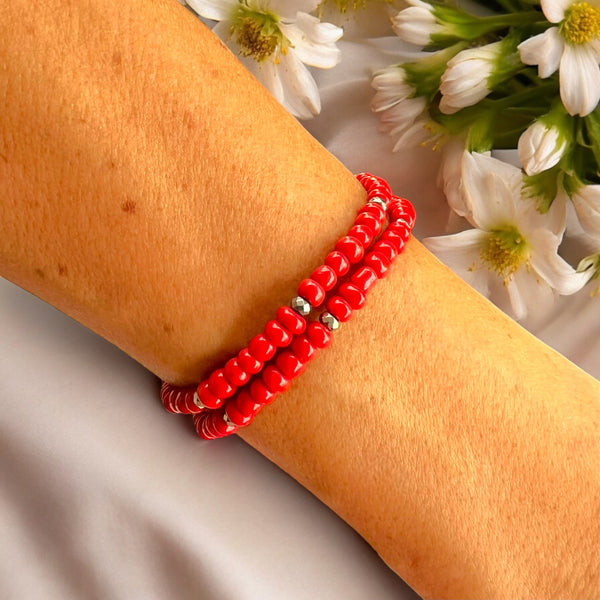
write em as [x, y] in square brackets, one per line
[541, 146]
[417, 23]
[465, 81]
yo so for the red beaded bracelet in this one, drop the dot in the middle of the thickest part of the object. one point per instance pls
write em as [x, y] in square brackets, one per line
[233, 394]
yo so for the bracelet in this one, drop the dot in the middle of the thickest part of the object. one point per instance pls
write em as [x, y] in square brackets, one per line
[233, 395]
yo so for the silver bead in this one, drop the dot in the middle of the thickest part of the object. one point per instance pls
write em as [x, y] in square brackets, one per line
[329, 321]
[378, 200]
[403, 221]
[300, 305]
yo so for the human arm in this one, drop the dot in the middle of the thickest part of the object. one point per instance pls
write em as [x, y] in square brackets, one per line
[463, 404]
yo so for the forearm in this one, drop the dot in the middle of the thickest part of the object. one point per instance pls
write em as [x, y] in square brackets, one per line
[151, 188]
[151, 200]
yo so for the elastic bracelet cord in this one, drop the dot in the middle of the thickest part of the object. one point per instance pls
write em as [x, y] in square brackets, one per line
[233, 395]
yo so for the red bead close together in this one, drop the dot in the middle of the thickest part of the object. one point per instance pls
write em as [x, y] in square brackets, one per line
[231, 396]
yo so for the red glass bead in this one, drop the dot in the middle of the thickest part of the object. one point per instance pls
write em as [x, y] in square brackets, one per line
[218, 424]
[374, 210]
[318, 335]
[399, 229]
[260, 393]
[291, 320]
[190, 405]
[339, 308]
[245, 405]
[364, 279]
[353, 295]
[363, 234]
[200, 421]
[408, 211]
[325, 276]
[289, 364]
[207, 398]
[219, 386]
[303, 349]
[275, 380]
[369, 221]
[395, 210]
[312, 291]
[234, 374]
[393, 238]
[338, 262]
[261, 348]
[379, 263]
[249, 363]
[351, 247]
[386, 248]
[167, 395]
[238, 418]
[277, 334]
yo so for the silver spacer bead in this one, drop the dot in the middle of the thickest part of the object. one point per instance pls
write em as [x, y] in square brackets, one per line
[378, 200]
[230, 426]
[197, 401]
[329, 321]
[300, 305]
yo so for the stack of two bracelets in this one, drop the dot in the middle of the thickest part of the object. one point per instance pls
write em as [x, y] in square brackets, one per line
[232, 395]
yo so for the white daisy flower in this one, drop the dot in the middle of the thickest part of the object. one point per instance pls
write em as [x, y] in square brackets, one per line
[572, 48]
[275, 40]
[401, 113]
[512, 253]
[466, 81]
[541, 146]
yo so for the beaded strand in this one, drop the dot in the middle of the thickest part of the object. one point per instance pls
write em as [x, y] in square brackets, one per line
[232, 395]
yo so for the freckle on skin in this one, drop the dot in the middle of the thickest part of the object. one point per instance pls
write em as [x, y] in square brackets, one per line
[188, 119]
[117, 61]
[168, 328]
[62, 270]
[128, 206]
[40, 273]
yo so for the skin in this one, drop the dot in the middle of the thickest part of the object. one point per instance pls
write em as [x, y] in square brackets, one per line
[155, 192]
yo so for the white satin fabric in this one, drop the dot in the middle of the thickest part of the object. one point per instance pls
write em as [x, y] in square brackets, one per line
[103, 495]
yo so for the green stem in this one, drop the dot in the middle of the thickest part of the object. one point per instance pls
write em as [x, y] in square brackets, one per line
[518, 18]
[519, 98]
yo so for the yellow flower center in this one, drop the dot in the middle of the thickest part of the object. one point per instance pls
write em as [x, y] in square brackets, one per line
[504, 251]
[257, 33]
[347, 5]
[581, 23]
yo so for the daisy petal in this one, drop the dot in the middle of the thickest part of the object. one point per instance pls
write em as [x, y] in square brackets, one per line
[306, 49]
[449, 175]
[317, 32]
[267, 74]
[461, 253]
[586, 201]
[216, 10]
[554, 10]
[544, 50]
[528, 293]
[489, 188]
[579, 80]
[516, 296]
[552, 268]
[301, 95]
